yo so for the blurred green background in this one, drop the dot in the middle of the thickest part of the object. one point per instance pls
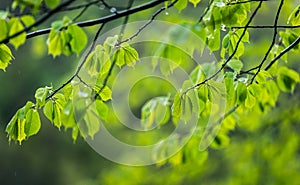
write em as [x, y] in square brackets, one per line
[267, 154]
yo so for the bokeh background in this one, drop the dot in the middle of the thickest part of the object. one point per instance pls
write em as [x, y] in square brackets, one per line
[268, 152]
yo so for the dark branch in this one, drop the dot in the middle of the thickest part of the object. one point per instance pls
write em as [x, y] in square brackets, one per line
[104, 19]
[243, 2]
[233, 53]
[287, 49]
[80, 66]
[38, 22]
[265, 27]
[206, 10]
[147, 23]
[273, 41]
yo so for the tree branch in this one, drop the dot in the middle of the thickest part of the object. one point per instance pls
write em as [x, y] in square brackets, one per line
[104, 19]
[273, 41]
[265, 27]
[80, 66]
[206, 10]
[147, 23]
[233, 53]
[287, 49]
[38, 22]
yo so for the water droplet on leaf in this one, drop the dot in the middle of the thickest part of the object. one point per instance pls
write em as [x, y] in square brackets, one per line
[113, 10]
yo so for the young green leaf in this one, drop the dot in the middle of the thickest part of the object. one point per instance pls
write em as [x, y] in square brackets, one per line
[110, 43]
[250, 100]
[176, 108]
[235, 64]
[16, 26]
[126, 55]
[4, 29]
[241, 92]
[187, 108]
[67, 117]
[195, 2]
[33, 123]
[78, 38]
[28, 20]
[24, 123]
[52, 3]
[56, 43]
[41, 95]
[181, 4]
[102, 109]
[294, 17]
[5, 56]
[53, 109]
[287, 79]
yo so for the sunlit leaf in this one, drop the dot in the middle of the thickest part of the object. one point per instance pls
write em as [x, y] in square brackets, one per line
[16, 26]
[195, 2]
[181, 4]
[78, 38]
[5, 56]
[287, 79]
[52, 3]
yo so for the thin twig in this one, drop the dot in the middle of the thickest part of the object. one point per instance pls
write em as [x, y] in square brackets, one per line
[206, 10]
[147, 23]
[233, 53]
[38, 22]
[80, 6]
[80, 66]
[265, 26]
[243, 2]
[273, 41]
[105, 19]
[287, 49]
[130, 3]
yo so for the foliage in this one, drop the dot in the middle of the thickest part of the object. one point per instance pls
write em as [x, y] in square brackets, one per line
[252, 88]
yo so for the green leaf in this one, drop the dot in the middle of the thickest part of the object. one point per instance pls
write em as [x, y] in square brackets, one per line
[287, 79]
[181, 4]
[56, 43]
[221, 141]
[213, 40]
[5, 56]
[98, 62]
[28, 20]
[241, 92]
[157, 110]
[126, 55]
[53, 109]
[195, 2]
[52, 3]
[67, 117]
[24, 123]
[110, 43]
[250, 100]
[119, 57]
[176, 108]
[3, 30]
[230, 92]
[75, 133]
[90, 124]
[235, 64]
[78, 38]
[16, 26]
[294, 17]
[33, 123]
[41, 95]
[102, 109]
[105, 93]
[187, 108]
[263, 76]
